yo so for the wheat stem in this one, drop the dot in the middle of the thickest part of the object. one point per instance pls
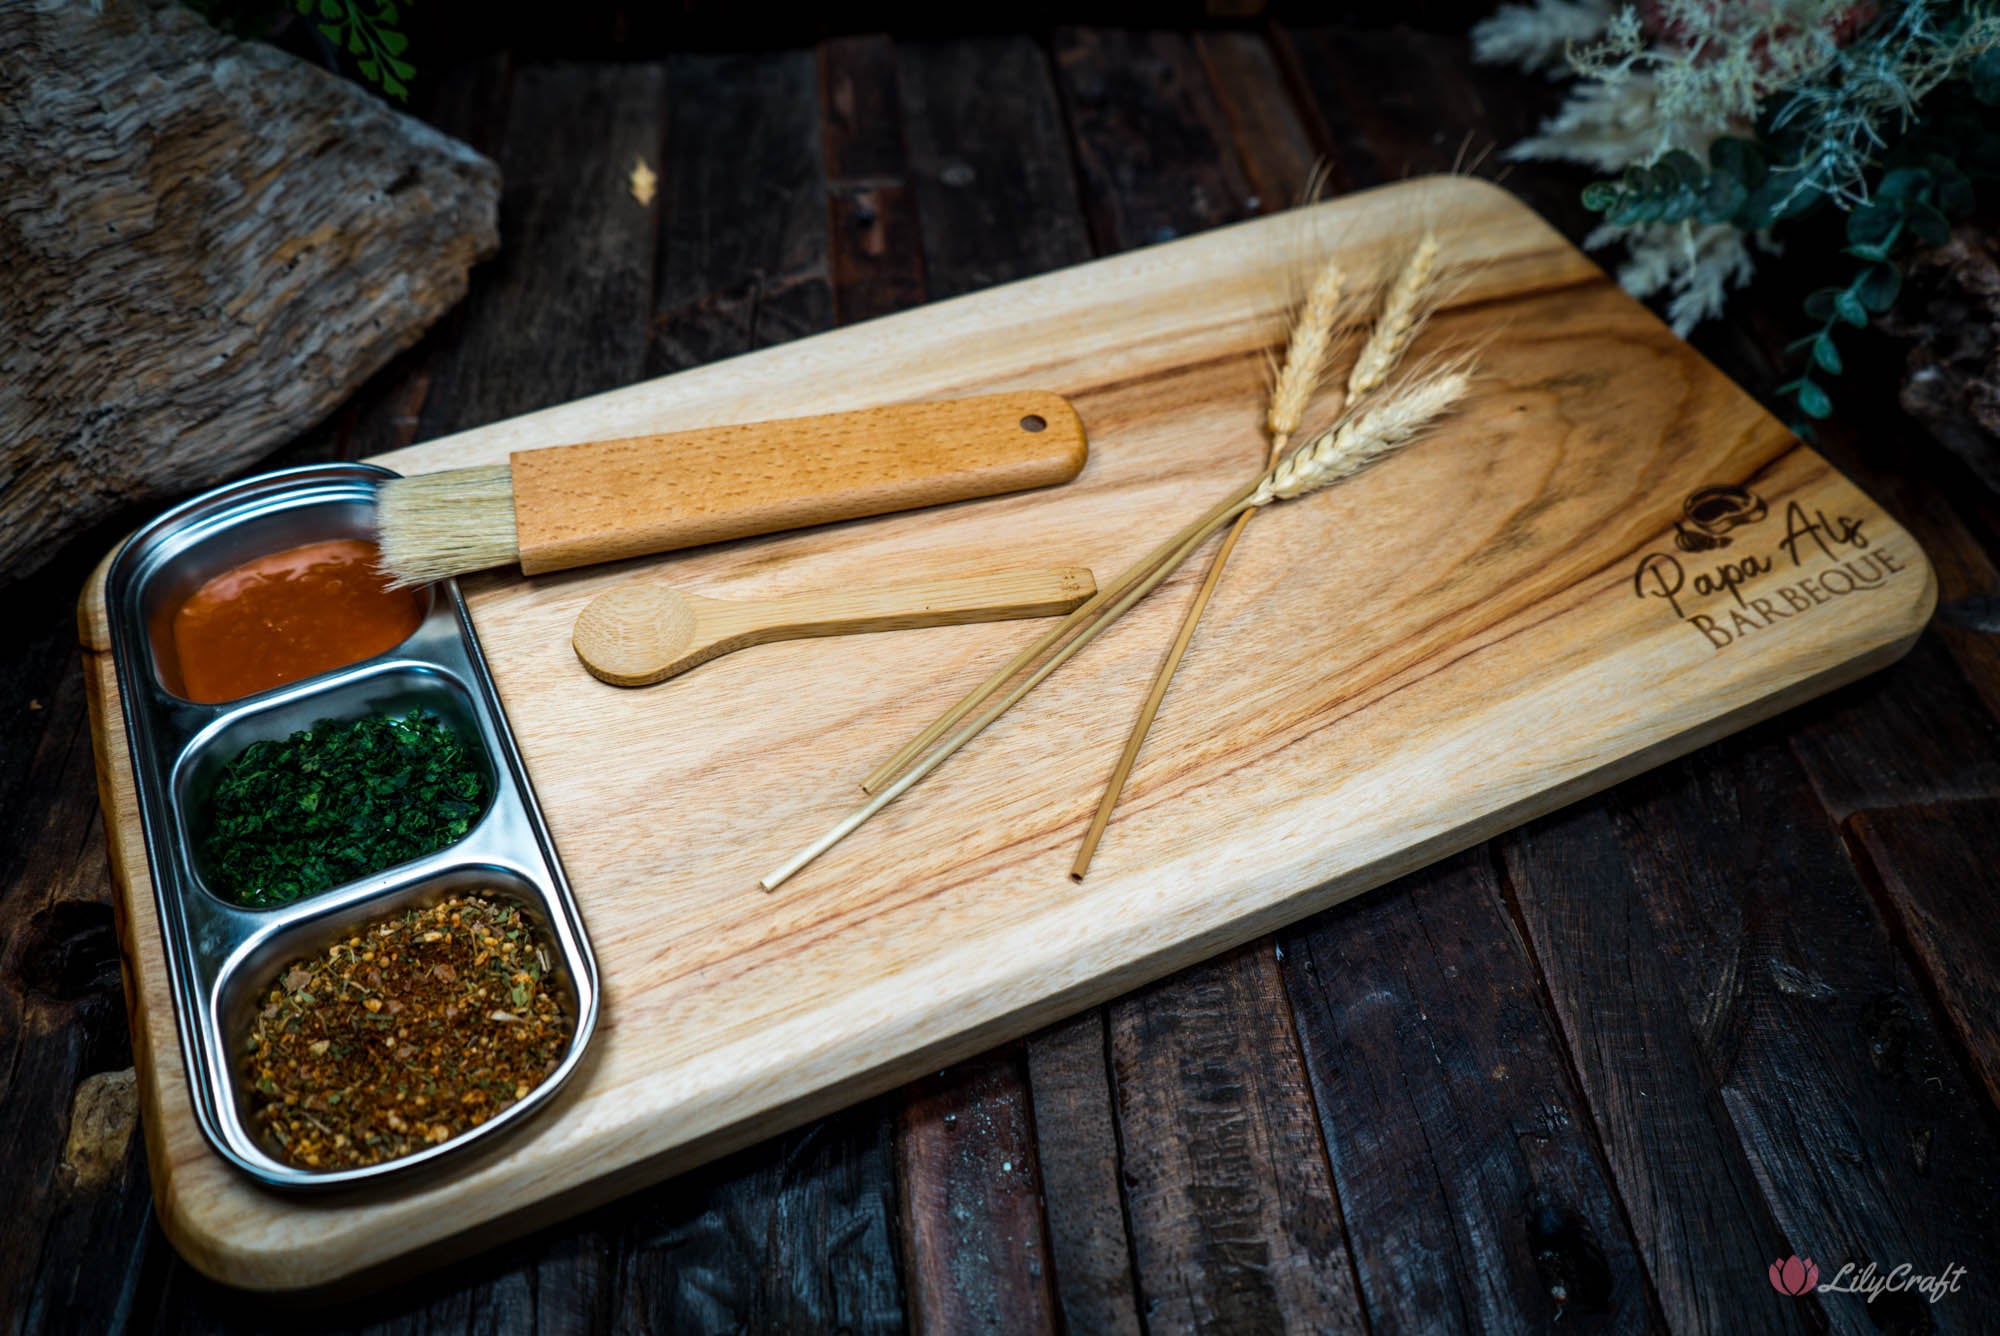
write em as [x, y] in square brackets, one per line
[936, 758]
[1161, 681]
[1069, 625]
[1395, 328]
[1334, 454]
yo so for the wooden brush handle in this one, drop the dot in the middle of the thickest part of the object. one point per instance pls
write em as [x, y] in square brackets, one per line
[575, 505]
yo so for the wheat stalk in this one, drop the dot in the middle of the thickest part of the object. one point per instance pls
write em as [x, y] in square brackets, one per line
[1306, 354]
[1404, 308]
[1359, 439]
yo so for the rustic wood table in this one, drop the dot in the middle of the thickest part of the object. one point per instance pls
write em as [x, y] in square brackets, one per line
[1605, 1068]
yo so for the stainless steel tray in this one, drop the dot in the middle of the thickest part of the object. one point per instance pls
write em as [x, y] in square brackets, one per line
[221, 956]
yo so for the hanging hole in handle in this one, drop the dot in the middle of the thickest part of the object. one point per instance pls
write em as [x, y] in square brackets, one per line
[1034, 422]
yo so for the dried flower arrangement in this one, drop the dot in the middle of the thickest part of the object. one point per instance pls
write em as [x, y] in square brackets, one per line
[1381, 413]
[1723, 122]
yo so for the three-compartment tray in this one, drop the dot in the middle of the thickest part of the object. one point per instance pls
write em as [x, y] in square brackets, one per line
[221, 955]
[1476, 631]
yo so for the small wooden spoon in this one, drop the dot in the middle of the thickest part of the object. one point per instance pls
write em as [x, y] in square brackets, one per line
[640, 634]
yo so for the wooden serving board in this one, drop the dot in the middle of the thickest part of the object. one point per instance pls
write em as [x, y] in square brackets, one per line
[1473, 633]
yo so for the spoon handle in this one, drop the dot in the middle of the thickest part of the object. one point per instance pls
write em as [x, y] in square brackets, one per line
[721, 626]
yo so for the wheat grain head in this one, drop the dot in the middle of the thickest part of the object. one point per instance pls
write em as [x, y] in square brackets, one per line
[1365, 436]
[1306, 353]
[1405, 307]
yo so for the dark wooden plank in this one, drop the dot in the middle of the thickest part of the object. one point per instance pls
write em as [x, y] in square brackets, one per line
[1471, 1184]
[742, 254]
[1933, 871]
[972, 1215]
[1395, 102]
[1695, 1207]
[1915, 732]
[877, 257]
[1235, 1225]
[74, 1178]
[1076, 1139]
[996, 188]
[1763, 1067]
[469, 102]
[1151, 140]
[1931, 495]
[798, 1234]
[564, 311]
[1266, 123]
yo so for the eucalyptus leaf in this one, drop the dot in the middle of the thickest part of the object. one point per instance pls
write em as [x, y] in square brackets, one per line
[1903, 183]
[1813, 401]
[1875, 225]
[1742, 160]
[1878, 287]
[1928, 225]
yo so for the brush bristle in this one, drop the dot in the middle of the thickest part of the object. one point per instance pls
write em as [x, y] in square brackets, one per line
[433, 526]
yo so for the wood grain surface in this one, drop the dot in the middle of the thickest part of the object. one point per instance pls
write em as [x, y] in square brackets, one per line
[1448, 645]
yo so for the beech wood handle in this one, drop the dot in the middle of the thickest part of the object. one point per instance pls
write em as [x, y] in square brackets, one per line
[575, 505]
[643, 633]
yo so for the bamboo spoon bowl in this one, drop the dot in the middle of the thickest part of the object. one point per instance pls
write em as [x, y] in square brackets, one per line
[639, 634]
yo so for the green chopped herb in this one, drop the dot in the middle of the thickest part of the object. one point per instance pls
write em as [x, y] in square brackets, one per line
[337, 801]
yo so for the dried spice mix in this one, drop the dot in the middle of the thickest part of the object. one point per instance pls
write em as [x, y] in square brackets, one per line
[411, 1031]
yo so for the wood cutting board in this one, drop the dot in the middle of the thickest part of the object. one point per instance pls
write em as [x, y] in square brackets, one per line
[1469, 635]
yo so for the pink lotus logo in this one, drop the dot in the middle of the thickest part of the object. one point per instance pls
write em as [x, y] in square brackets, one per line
[1793, 1276]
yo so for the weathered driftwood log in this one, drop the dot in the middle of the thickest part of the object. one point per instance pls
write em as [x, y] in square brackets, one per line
[205, 245]
[1950, 309]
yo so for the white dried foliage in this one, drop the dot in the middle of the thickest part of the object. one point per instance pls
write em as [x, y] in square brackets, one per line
[1608, 126]
[1697, 262]
[1699, 69]
[1636, 99]
[1538, 36]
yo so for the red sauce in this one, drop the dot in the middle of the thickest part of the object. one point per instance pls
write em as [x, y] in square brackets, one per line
[289, 615]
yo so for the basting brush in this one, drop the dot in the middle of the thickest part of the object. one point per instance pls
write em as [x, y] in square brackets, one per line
[575, 505]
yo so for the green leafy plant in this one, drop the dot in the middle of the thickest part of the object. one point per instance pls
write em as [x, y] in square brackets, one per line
[1732, 122]
[369, 34]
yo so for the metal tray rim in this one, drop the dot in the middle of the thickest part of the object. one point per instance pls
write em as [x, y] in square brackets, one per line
[194, 983]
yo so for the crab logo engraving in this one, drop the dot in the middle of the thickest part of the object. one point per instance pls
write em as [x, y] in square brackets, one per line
[1709, 513]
